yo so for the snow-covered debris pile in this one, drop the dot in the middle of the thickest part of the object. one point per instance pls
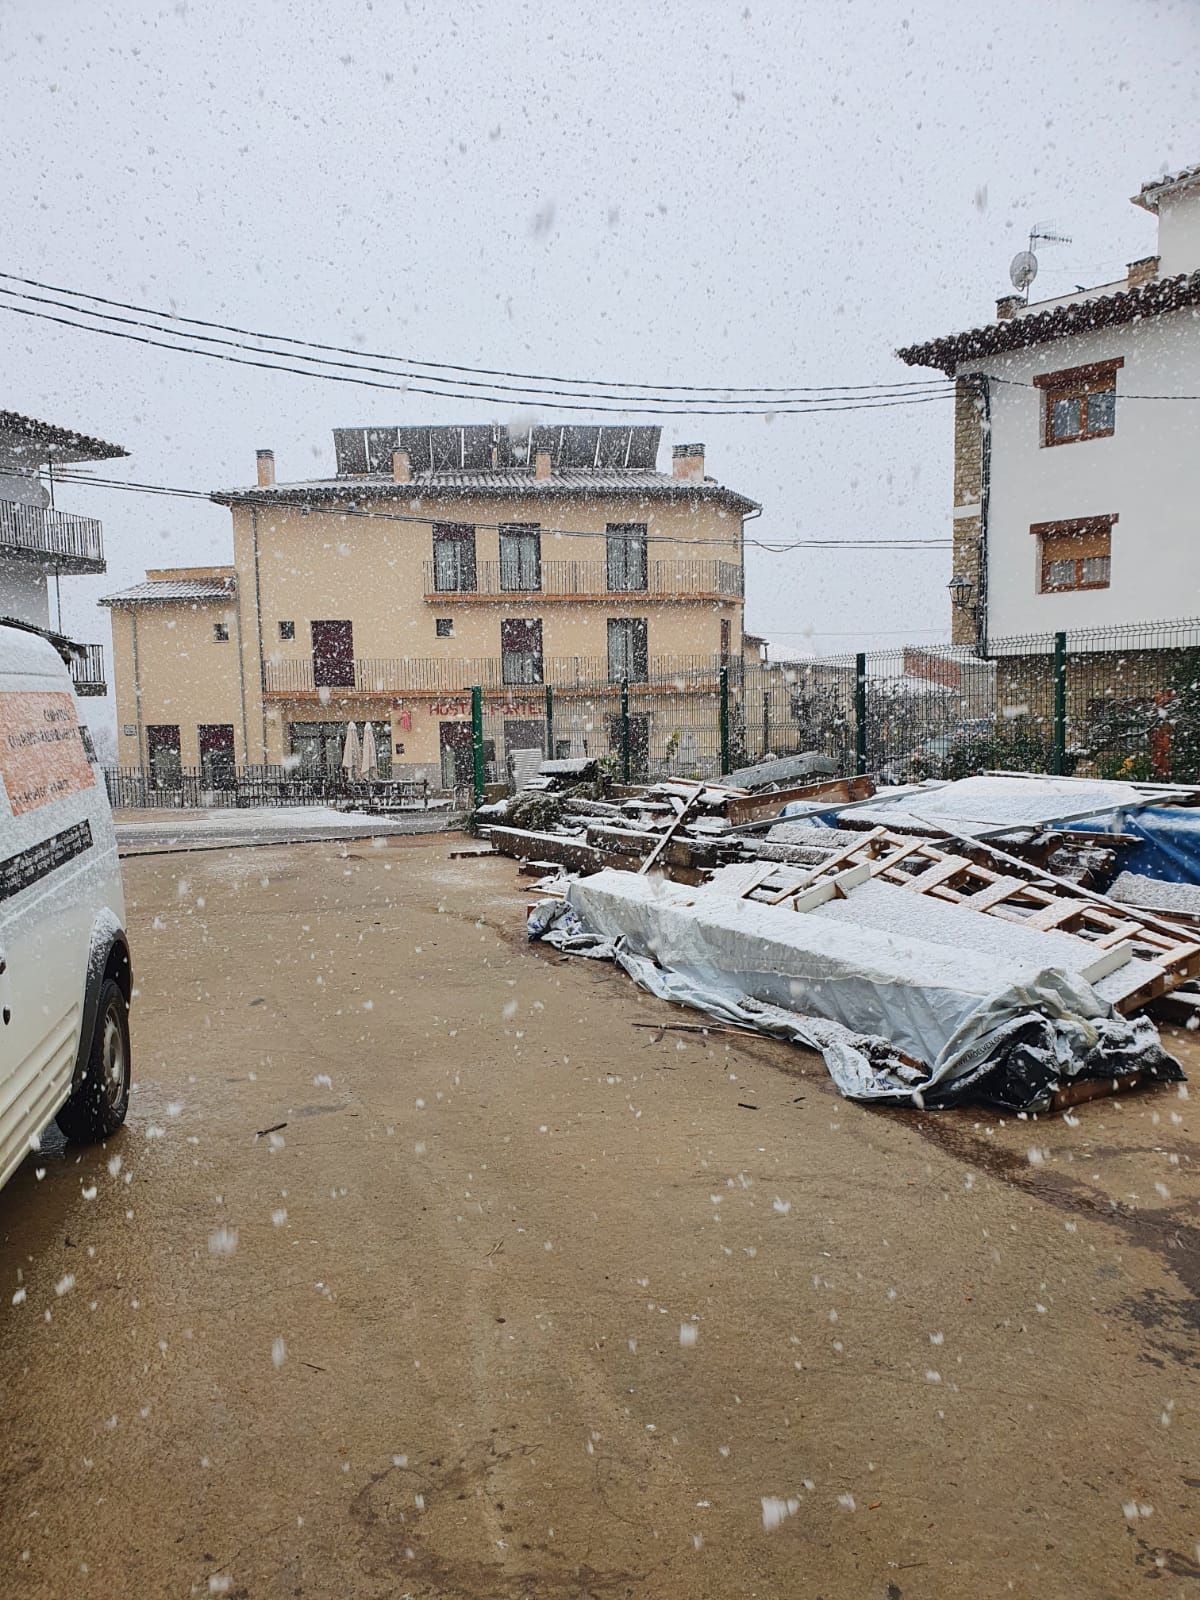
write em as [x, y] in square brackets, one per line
[949, 1010]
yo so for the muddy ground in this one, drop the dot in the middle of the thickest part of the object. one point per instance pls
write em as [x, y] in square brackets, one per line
[523, 1299]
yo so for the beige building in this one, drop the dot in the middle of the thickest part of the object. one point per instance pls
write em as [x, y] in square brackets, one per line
[434, 560]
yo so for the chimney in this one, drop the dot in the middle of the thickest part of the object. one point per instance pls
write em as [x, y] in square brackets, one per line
[1007, 306]
[1139, 272]
[266, 468]
[401, 466]
[687, 461]
[541, 465]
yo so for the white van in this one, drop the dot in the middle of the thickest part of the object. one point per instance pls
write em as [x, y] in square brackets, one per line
[65, 974]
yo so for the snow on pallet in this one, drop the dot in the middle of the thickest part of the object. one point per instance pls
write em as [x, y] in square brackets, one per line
[1165, 957]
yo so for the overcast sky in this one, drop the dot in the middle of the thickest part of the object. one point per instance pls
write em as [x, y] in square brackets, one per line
[693, 192]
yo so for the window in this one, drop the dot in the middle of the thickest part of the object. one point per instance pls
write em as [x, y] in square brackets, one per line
[520, 557]
[626, 551]
[215, 740]
[162, 751]
[333, 655]
[1079, 402]
[287, 630]
[453, 559]
[221, 632]
[628, 656]
[443, 627]
[1074, 555]
[521, 651]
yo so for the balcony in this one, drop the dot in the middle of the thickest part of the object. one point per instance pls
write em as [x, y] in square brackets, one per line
[432, 675]
[87, 671]
[666, 581]
[51, 538]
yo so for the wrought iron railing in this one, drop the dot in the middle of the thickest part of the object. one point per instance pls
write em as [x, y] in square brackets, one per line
[55, 535]
[587, 580]
[435, 674]
[87, 671]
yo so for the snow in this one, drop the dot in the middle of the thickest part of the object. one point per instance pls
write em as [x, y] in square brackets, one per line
[984, 804]
[252, 819]
[1155, 894]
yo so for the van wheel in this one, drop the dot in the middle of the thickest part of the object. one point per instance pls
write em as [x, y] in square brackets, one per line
[100, 1100]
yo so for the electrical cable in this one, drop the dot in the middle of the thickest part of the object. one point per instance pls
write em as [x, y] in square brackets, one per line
[866, 404]
[300, 502]
[705, 391]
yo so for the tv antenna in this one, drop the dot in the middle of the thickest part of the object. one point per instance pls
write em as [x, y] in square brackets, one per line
[1023, 268]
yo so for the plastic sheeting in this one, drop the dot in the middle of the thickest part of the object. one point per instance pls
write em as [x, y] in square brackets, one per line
[912, 1020]
[1168, 840]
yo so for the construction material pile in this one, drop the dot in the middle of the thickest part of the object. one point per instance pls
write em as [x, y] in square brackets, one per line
[915, 937]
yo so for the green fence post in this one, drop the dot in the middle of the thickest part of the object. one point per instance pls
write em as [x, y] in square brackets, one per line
[1058, 759]
[477, 743]
[723, 681]
[860, 713]
[549, 722]
[625, 751]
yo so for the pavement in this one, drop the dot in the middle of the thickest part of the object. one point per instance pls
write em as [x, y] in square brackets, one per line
[158, 829]
[425, 1268]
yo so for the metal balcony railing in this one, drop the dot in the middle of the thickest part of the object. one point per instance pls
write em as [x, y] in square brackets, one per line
[87, 671]
[72, 544]
[455, 674]
[586, 580]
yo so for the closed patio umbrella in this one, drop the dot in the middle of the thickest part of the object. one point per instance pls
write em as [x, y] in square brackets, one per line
[351, 752]
[370, 755]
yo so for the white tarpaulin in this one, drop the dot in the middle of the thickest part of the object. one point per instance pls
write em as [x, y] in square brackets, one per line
[912, 1015]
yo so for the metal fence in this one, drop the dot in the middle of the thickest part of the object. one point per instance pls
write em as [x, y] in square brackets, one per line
[1122, 702]
[1118, 702]
[218, 786]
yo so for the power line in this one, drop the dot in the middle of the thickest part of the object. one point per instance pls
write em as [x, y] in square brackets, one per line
[705, 391]
[868, 403]
[294, 502]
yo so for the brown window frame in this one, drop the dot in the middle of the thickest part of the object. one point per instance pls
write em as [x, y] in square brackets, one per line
[1087, 533]
[1078, 383]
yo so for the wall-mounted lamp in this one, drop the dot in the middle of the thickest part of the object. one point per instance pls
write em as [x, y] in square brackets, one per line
[961, 590]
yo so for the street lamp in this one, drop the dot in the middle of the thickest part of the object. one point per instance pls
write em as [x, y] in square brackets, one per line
[961, 590]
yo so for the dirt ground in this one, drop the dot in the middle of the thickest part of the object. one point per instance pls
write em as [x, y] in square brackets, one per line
[524, 1298]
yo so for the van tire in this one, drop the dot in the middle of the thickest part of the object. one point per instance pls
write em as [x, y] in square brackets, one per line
[100, 1099]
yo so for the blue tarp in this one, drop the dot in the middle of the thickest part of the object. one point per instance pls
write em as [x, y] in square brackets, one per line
[1168, 840]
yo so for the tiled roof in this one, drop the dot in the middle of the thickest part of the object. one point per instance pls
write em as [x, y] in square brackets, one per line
[162, 590]
[1057, 322]
[58, 444]
[502, 481]
[1148, 195]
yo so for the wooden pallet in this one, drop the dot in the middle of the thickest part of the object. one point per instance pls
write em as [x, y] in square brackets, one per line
[1036, 901]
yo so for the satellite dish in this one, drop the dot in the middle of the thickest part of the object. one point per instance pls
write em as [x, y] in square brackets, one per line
[1022, 269]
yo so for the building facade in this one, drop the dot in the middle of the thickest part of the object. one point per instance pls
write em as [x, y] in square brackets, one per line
[433, 561]
[1076, 455]
[39, 544]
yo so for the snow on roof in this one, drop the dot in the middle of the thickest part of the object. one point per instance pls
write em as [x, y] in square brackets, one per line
[47, 442]
[159, 591]
[1059, 321]
[501, 481]
[1149, 195]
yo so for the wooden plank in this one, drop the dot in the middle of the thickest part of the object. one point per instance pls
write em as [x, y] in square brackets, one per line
[751, 808]
[662, 844]
[1055, 914]
[996, 891]
[937, 874]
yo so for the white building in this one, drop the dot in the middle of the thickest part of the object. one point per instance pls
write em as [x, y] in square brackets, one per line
[1077, 455]
[40, 544]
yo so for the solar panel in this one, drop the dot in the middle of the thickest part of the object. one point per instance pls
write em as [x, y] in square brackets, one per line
[483, 447]
[350, 451]
[381, 442]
